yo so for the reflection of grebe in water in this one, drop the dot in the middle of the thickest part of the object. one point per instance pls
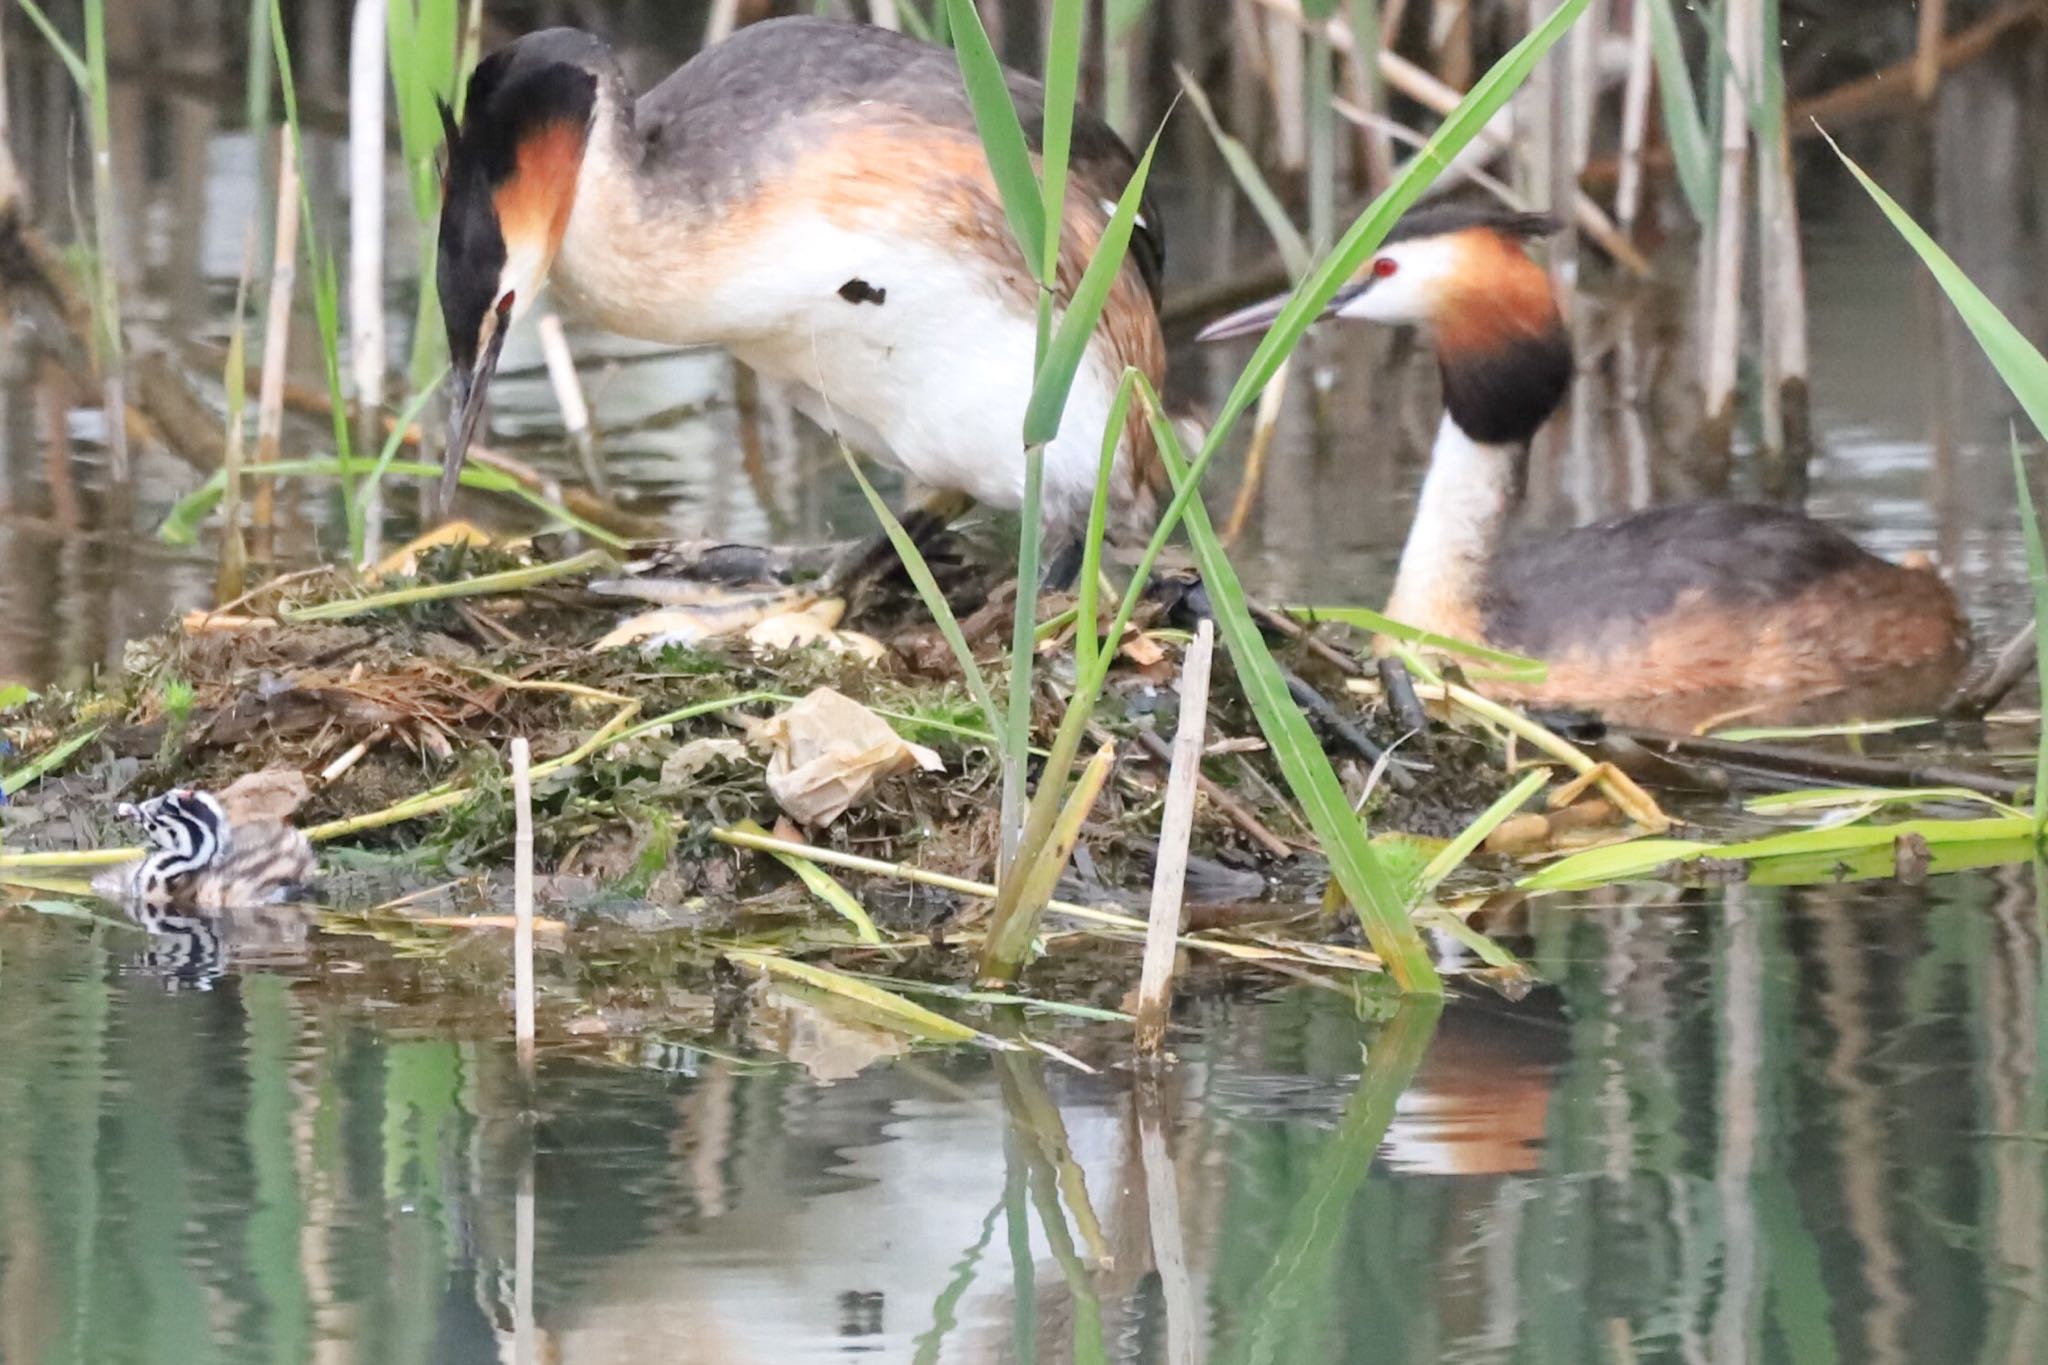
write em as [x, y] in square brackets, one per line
[1702, 608]
[1480, 1105]
[207, 883]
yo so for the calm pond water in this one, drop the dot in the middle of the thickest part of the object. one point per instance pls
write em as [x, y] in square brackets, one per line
[1734, 1125]
[1750, 1125]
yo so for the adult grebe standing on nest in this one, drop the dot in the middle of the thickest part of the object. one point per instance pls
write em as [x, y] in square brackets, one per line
[1686, 611]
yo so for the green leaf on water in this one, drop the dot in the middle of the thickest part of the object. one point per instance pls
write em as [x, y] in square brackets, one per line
[1826, 798]
[823, 885]
[1637, 859]
[47, 762]
[1631, 861]
[887, 1006]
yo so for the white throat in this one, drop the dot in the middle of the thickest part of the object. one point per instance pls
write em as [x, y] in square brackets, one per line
[1466, 498]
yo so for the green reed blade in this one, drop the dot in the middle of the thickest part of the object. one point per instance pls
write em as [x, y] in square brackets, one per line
[1381, 907]
[1693, 153]
[1452, 856]
[1077, 325]
[995, 118]
[1511, 667]
[1244, 168]
[1062, 92]
[929, 593]
[2022, 367]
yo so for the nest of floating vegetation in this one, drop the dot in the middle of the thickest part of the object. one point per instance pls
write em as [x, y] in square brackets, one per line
[384, 705]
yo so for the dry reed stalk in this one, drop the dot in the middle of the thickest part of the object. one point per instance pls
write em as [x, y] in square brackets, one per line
[277, 333]
[1721, 306]
[234, 547]
[1788, 422]
[522, 899]
[882, 14]
[366, 345]
[724, 18]
[1635, 121]
[1286, 72]
[1499, 138]
[1450, 41]
[1169, 875]
[1927, 52]
[562, 378]
[1362, 79]
[1559, 75]
[10, 174]
[1272, 401]
[1585, 41]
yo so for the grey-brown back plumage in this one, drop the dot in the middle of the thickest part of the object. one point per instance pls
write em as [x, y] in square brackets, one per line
[726, 120]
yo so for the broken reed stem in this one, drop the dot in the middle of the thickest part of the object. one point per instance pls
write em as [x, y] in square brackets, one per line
[366, 346]
[1788, 434]
[1169, 874]
[919, 876]
[522, 899]
[1010, 941]
[232, 578]
[277, 332]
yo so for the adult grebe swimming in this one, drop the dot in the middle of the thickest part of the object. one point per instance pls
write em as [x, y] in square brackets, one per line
[1673, 614]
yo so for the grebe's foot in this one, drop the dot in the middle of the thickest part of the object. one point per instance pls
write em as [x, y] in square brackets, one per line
[856, 573]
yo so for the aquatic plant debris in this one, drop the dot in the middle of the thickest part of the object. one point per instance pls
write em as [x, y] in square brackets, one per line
[829, 750]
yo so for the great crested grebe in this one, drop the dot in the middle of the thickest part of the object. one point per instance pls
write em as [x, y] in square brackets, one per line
[199, 860]
[812, 196]
[1676, 611]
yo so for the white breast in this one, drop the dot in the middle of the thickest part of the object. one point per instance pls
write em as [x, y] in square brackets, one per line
[936, 375]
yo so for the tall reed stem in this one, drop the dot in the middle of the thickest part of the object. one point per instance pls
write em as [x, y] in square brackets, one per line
[106, 275]
[366, 244]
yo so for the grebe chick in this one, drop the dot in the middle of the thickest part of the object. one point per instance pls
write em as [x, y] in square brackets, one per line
[1666, 616]
[200, 860]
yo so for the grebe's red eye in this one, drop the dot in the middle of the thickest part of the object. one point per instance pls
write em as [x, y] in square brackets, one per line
[1384, 266]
